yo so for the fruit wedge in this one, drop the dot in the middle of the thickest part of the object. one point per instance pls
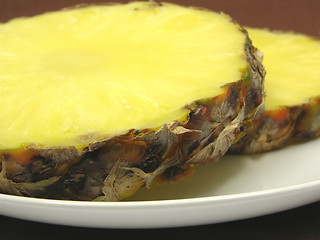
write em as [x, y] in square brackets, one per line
[292, 108]
[100, 101]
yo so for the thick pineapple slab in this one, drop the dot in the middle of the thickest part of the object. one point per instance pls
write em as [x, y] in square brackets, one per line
[99, 101]
[292, 108]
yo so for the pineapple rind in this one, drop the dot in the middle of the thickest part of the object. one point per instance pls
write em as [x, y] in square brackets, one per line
[308, 123]
[279, 128]
[119, 166]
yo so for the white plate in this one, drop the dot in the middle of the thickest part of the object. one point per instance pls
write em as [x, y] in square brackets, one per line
[235, 188]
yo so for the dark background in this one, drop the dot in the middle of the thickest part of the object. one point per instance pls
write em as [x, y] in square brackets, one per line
[301, 223]
[298, 15]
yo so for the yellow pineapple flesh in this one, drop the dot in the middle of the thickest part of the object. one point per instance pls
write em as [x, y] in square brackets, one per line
[292, 86]
[97, 71]
[99, 101]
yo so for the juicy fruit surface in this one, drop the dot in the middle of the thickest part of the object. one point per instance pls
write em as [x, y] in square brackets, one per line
[292, 62]
[73, 77]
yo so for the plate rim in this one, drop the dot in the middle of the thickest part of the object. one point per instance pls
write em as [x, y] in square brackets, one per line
[165, 202]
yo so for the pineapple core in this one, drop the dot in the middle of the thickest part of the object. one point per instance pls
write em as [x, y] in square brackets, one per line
[72, 77]
[292, 62]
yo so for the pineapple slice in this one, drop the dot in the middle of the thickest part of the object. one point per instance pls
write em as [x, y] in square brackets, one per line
[99, 101]
[292, 108]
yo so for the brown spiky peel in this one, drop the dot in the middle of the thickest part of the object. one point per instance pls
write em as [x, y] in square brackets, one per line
[279, 128]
